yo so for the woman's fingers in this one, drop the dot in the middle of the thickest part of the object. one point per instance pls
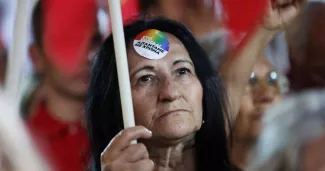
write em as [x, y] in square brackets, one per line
[124, 138]
[130, 134]
[135, 153]
[288, 14]
[280, 13]
[142, 165]
[121, 151]
[135, 158]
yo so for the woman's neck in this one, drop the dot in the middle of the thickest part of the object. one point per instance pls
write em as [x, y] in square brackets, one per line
[240, 151]
[174, 157]
[63, 108]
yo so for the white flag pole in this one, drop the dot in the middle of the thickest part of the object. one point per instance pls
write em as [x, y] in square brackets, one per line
[121, 62]
[14, 138]
[17, 52]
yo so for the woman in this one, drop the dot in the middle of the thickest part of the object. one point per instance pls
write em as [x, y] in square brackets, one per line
[296, 130]
[175, 107]
[262, 91]
[179, 101]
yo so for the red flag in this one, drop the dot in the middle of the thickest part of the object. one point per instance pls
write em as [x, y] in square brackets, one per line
[68, 28]
[130, 11]
[241, 16]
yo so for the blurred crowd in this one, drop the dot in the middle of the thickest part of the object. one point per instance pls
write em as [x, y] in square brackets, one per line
[280, 125]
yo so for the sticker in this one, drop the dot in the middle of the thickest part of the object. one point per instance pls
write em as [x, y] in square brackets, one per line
[151, 44]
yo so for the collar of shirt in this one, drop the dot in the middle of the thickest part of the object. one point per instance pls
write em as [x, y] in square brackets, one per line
[50, 127]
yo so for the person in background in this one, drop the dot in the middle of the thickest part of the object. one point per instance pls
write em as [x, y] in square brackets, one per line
[262, 91]
[54, 113]
[293, 136]
[306, 39]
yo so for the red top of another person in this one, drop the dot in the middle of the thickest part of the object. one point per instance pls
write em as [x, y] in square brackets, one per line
[65, 145]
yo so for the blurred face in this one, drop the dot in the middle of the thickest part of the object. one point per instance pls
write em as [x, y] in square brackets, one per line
[261, 92]
[74, 84]
[167, 95]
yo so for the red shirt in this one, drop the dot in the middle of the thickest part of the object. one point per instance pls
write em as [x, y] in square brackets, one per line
[65, 145]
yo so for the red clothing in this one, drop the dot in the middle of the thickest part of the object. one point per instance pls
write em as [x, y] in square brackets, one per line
[65, 145]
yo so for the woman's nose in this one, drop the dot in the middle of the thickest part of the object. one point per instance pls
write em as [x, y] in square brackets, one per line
[264, 94]
[169, 92]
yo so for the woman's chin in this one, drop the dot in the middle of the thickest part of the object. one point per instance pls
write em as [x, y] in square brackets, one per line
[175, 133]
[176, 128]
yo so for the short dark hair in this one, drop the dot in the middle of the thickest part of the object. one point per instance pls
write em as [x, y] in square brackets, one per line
[37, 23]
[104, 113]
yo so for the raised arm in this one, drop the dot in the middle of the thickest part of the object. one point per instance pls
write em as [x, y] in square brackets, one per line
[237, 67]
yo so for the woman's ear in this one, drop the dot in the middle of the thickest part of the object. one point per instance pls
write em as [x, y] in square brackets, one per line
[37, 58]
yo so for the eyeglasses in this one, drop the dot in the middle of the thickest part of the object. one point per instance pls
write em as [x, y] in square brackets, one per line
[270, 80]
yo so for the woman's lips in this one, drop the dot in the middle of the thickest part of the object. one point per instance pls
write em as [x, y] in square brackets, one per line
[172, 112]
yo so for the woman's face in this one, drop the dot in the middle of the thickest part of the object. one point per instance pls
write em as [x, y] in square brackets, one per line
[167, 94]
[262, 91]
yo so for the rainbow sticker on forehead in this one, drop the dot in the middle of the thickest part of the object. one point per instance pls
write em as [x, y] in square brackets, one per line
[151, 44]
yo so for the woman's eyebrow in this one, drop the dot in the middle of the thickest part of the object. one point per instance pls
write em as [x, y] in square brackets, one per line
[146, 67]
[183, 60]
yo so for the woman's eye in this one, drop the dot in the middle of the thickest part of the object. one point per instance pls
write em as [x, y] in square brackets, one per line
[183, 71]
[252, 79]
[272, 78]
[145, 78]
